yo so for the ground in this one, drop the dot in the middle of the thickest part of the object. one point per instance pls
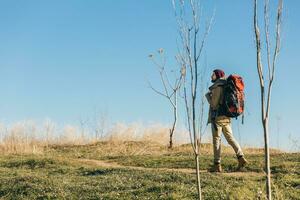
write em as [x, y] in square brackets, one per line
[142, 170]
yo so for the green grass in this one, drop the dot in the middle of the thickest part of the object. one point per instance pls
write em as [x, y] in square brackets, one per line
[57, 175]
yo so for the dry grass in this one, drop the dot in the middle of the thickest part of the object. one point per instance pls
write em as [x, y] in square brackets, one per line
[122, 139]
[28, 138]
[20, 138]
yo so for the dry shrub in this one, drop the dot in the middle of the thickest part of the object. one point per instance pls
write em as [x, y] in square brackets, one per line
[121, 132]
[21, 138]
[153, 133]
[27, 138]
[71, 136]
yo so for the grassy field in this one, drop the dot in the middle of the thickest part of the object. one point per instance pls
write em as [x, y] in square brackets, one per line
[141, 170]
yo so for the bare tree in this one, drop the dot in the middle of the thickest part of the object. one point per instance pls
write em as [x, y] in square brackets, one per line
[83, 124]
[170, 89]
[100, 123]
[49, 128]
[266, 85]
[193, 38]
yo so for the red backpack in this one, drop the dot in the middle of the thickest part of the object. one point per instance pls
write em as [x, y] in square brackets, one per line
[234, 96]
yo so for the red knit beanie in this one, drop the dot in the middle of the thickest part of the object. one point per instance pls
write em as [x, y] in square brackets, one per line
[219, 73]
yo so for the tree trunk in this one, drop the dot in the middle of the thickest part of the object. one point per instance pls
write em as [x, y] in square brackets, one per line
[172, 130]
[198, 177]
[171, 137]
[267, 160]
[171, 142]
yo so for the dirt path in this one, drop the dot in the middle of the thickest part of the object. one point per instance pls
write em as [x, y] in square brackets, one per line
[114, 165]
[102, 163]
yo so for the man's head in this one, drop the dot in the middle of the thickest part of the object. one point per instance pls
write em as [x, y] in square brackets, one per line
[217, 74]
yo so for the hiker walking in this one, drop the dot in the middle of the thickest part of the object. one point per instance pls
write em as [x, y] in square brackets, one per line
[220, 122]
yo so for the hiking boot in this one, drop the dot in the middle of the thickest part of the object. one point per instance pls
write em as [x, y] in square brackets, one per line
[216, 168]
[242, 162]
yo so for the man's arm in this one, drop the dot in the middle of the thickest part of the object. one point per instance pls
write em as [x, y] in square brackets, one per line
[215, 98]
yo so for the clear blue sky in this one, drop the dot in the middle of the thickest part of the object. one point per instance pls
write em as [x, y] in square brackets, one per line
[62, 59]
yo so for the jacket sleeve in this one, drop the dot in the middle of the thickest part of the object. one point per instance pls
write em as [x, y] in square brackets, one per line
[208, 97]
[216, 95]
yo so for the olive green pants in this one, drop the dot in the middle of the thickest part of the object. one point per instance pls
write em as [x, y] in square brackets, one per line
[219, 126]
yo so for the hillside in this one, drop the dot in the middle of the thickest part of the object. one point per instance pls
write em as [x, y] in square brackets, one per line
[141, 170]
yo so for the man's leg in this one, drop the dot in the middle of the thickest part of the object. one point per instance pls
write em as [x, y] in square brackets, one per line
[227, 130]
[216, 133]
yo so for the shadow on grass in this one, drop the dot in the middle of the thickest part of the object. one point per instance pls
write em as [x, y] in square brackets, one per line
[95, 172]
[30, 163]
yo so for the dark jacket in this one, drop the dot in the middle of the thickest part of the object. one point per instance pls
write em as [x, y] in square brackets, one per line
[215, 100]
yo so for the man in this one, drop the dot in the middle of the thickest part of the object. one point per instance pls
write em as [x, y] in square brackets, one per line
[221, 123]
